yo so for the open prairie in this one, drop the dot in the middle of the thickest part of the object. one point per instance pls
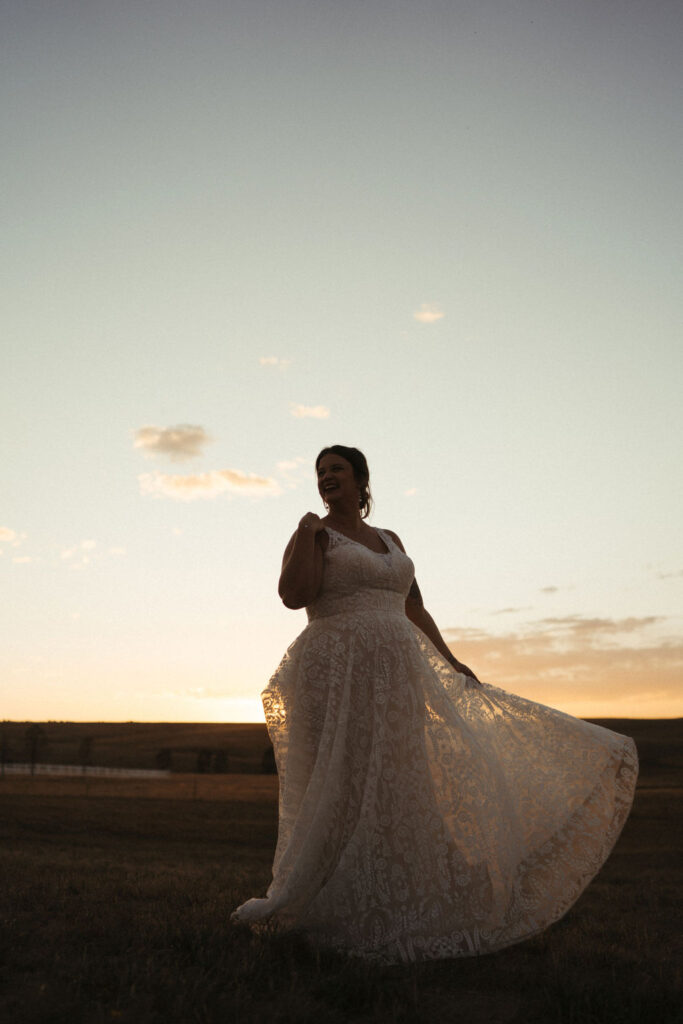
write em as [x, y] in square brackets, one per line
[116, 907]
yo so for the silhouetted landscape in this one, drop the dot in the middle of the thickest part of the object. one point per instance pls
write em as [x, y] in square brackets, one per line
[176, 746]
[118, 908]
[225, 748]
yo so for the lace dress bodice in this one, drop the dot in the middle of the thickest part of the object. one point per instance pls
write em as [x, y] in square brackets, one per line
[358, 580]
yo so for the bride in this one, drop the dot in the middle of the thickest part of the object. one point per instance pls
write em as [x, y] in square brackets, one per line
[423, 814]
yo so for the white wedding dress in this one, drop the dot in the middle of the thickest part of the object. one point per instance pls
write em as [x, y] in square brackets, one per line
[420, 816]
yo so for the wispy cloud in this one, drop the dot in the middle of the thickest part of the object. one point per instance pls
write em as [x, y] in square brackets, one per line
[288, 465]
[509, 611]
[428, 313]
[585, 665]
[292, 470]
[187, 487]
[276, 361]
[10, 537]
[178, 443]
[206, 693]
[411, 492]
[314, 412]
[578, 626]
[78, 555]
[670, 575]
[549, 590]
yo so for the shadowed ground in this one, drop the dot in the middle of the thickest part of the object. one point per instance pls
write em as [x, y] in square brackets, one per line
[117, 909]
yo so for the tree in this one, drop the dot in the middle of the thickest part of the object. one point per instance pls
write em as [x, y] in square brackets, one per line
[85, 752]
[35, 742]
[268, 765]
[4, 750]
[164, 759]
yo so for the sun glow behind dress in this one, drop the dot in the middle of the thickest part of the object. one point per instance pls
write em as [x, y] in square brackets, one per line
[421, 817]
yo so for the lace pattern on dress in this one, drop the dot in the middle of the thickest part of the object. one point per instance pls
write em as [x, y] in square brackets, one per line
[419, 817]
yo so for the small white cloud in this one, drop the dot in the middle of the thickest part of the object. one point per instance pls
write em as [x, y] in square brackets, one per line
[83, 553]
[289, 465]
[179, 443]
[207, 485]
[177, 531]
[313, 412]
[410, 492]
[428, 314]
[274, 361]
[22, 558]
[291, 471]
[117, 551]
[78, 549]
[11, 537]
[206, 693]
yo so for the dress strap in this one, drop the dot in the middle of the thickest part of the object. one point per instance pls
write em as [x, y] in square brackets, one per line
[387, 538]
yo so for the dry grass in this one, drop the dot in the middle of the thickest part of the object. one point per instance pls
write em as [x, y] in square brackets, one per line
[118, 910]
[238, 788]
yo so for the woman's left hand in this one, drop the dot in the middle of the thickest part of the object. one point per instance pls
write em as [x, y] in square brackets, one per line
[465, 671]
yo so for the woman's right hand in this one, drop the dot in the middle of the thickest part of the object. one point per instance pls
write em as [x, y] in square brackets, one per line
[312, 522]
[302, 564]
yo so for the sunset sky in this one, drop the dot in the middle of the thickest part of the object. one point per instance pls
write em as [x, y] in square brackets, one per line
[448, 233]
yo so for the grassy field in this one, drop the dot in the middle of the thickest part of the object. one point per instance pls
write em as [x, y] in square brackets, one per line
[117, 909]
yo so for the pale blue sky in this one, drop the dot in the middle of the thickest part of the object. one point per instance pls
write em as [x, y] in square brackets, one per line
[191, 188]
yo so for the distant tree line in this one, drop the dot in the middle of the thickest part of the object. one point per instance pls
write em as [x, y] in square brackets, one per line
[36, 746]
[268, 766]
[30, 744]
[208, 760]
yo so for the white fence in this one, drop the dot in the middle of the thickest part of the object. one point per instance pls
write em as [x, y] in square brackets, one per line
[77, 769]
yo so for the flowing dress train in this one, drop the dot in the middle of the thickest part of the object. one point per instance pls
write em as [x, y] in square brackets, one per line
[421, 817]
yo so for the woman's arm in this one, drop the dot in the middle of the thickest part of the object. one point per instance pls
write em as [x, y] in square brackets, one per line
[302, 564]
[420, 617]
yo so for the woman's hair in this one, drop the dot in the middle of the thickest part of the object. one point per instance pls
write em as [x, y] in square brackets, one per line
[361, 472]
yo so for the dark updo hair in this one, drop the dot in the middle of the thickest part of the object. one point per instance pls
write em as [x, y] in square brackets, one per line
[361, 473]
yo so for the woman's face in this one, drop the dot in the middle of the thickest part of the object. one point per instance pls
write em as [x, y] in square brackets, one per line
[336, 479]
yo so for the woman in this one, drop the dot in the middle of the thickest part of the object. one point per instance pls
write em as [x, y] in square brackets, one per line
[422, 814]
